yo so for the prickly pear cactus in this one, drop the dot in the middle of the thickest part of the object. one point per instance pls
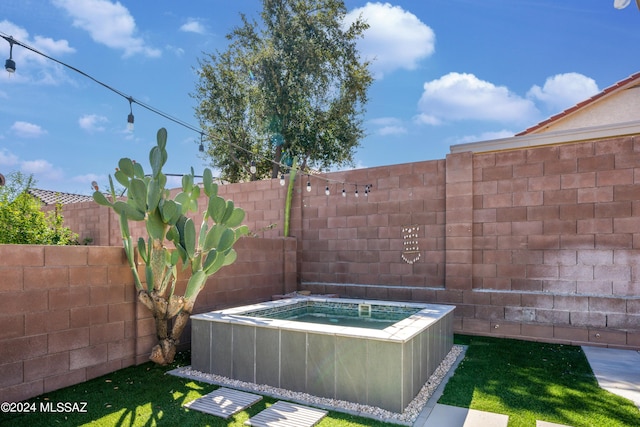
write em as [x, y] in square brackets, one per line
[166, 220]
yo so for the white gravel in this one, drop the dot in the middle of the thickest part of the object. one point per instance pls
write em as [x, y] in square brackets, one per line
[407, 417]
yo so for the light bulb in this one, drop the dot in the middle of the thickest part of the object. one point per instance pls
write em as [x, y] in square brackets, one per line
[252, 168]
[308, 186]
[326, 191]
[357, 192]
[282, 179]
[344, 193]
[10, 66]
[130, 122]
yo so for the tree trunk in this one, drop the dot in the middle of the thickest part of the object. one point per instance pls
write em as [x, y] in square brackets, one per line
[164, 352]
[276, 162]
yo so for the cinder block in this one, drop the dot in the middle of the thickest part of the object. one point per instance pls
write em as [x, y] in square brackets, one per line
[573, 335]
[45, 366]
[46, 277]
[22, 255]
[588, 319]
[108, 332]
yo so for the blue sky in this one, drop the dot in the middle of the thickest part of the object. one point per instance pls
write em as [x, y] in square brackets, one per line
[447, 72]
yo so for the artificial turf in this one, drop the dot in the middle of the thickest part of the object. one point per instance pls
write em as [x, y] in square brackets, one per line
[528, 381]
[145, 396]
[532, 381]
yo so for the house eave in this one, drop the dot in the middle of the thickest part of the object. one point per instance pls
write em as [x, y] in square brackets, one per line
[550, 138]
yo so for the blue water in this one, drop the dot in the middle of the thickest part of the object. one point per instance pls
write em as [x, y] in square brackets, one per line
[357, 322]
[341, 315]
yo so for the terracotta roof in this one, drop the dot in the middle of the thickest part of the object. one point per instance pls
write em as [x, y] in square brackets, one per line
[48, 197]
[623, 84]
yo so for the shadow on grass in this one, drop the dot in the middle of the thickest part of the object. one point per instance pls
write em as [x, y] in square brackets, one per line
[145, 395]
[534, 381]
[136, 396]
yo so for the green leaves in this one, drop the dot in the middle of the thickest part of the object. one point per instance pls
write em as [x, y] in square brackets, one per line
[101, 199]
[166, 221]
[216, 209]
[210, 189]
[292, 82]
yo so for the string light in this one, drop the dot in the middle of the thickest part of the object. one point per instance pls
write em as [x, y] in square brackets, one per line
[10, 66]
[130, 116]
[356, 190]
[201, 147]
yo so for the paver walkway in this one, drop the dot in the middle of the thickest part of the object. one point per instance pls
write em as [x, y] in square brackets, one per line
[285, 414]
[617, 371]
[453, 416]
[223, 402]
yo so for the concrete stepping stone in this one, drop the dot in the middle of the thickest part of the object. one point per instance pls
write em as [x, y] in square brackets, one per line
[453, 416]
[285, 414]
[617, 371]
[548, 424]
[223, 402]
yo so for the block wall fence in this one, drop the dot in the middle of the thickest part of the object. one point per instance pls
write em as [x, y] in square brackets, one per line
[539, 243]
[70, 313]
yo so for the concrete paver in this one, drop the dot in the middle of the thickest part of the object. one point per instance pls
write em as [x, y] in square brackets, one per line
[548, 424]
[617, 371]
[453, 416]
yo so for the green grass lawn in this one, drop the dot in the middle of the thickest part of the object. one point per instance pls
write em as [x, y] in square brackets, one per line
[534, 381]
[144, 396]
[527, 381]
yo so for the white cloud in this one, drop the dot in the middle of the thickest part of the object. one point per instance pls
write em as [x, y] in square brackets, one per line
[392, 130]
[486, 136]
[7, 158]
[457, 96]
[108, 23]
[427, 119]
[177, 51]
[27, 130]
[388, 126]
[193, 26]
[564, 90]
[92, 123]
[48, 72]
[42, 170]
[87, 179]
[395, 39]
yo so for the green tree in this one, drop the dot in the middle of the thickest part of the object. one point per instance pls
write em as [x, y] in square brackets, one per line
[166, 222]
[292, 86]
[23, 222]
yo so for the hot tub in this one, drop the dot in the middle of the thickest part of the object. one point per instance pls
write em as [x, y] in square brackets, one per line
[379, 367]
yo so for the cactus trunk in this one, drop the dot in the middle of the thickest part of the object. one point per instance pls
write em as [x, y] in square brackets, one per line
[165, 219]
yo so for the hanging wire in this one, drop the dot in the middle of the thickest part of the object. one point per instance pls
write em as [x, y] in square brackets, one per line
[167, 116]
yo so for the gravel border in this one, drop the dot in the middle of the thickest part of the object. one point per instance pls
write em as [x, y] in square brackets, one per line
[407, 417]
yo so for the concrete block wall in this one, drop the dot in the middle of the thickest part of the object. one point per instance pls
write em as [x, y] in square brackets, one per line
[536, 243]
[556, 242]
[70, 313]
[360, 240]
